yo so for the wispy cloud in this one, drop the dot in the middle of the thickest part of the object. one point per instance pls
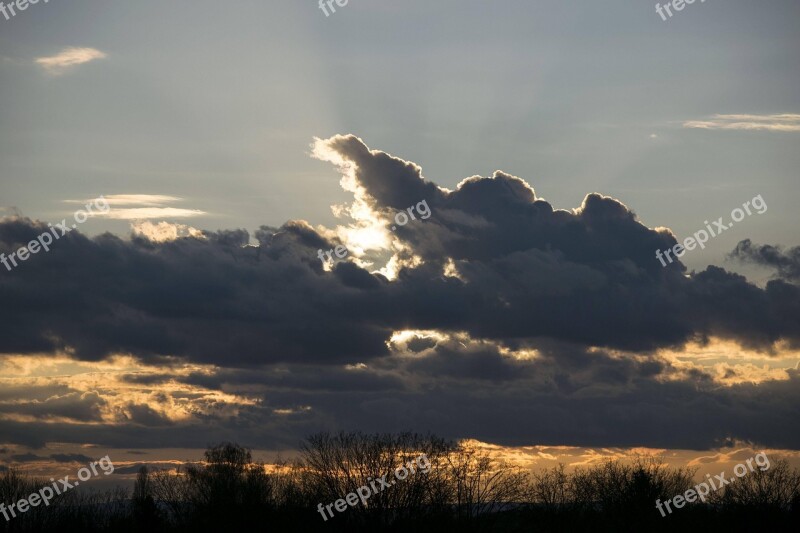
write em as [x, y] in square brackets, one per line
[67, 58]
[135, 199]
[782, 122]
[143, 207]
[141, 213]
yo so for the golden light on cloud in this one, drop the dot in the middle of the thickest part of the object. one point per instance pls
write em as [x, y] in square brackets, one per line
[119, 390]
[292, 411]
[729, 364]
[451, 270]
[368, 238]
[521, 354]
[164, 231]
[542, 457]
[68, 58]
[786, 122]
[400, 341]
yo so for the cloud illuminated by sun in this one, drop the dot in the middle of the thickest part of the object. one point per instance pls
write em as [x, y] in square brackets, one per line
[68, 58]
[118, 397]
[367, 238]
[728, 363]
[139, 207]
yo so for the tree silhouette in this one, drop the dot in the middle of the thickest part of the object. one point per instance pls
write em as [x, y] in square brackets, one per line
[466, 488]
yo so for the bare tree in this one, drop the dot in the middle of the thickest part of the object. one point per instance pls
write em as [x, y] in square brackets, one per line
[777, 487]
[341, 463]
[481, 484]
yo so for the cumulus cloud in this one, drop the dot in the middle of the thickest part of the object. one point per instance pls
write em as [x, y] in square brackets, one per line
[529, 270]
[164, 231]
[69, 58]
[786, 122]
[500, 317]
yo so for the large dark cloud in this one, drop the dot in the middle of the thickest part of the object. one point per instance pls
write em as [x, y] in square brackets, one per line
[567, 394]
[527, 270]
[573, 286]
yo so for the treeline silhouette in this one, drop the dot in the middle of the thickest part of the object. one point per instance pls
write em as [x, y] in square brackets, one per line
[465, 489]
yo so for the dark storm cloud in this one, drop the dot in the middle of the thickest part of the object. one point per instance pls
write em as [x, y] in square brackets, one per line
[582, 289]
[587, 276]
[595, 399]
[785, 262]
[566, 394]
[206, 300]
[527, 270]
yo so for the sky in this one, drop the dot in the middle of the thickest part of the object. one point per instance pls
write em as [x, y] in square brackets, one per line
[548, 149]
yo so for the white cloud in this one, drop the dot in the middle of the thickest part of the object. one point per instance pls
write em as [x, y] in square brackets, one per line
[143, 207]
[786, 122]
[164, 231]
[141, 199]
[143, 213]
[67, 58]
[134, 199]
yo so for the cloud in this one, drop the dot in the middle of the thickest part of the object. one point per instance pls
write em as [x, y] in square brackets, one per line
[786, 122]
[500, 317]
[146, 415]
[81, 407]
[134, 199]
[785, 262]
[70, 458]
[141, 207]
[164, 231]
[585, 275]
[25, 458]
[141, 213]
[68, 58]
